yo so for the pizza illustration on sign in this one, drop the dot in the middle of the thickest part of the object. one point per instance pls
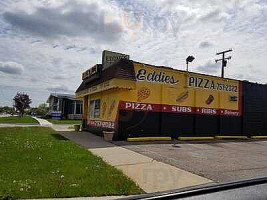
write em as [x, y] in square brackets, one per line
[143, 93]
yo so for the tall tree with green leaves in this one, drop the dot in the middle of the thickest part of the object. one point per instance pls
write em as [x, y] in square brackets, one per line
[22, 101]
[43, 109]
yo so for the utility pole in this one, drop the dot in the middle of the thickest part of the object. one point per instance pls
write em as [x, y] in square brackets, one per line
[223, 59]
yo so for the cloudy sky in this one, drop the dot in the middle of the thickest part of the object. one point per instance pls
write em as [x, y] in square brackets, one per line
[45, 45]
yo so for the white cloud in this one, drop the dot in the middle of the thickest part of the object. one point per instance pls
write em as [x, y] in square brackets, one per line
[55, 52]
[214, 15]
[11, 67]
[209, 67]
[60, 77]
[59, 88]
[205, 44]
[72, 19]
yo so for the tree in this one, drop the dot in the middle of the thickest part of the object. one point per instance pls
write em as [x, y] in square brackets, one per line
[22, 101]
[6, 109]
[42, 109]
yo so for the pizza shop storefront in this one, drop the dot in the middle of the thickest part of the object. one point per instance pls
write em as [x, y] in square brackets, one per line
[136, 99]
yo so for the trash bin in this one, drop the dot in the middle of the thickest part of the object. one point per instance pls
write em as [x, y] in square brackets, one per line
[108, 135]
[77, 127]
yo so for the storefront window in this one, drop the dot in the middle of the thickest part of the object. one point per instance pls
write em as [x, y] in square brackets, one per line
[95, 108]
[73, 108]
[78, 108]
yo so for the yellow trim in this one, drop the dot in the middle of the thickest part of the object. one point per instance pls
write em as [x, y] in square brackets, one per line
[195, 138]
[143, 139]
[110, 84]
[231, 137]
[259, 137]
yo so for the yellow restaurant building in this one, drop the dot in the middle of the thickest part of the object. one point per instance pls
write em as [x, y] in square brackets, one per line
[136, 99]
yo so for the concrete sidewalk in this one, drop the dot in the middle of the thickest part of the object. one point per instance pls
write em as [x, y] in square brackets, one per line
[56, 127]
[150, 175]
[62, 127]
[17, 125]
[43, 122]
[85, 198]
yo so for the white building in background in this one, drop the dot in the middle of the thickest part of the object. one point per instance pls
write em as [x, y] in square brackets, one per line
[64, 106]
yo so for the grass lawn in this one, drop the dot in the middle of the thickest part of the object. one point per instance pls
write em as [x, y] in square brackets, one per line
[36, 162]
[16, 119]
[64, 121]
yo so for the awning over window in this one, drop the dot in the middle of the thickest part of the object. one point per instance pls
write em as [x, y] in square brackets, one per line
[107, 85]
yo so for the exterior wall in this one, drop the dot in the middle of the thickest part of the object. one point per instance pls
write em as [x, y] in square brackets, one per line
[255, 109]
[109, 101]
[166, 102]
[177, 103]
[189, 92]
[85, 107]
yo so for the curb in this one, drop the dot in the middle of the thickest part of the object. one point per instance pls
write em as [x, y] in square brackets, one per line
[258, 137]
[144, 139]
[195, 138]
[231, 137]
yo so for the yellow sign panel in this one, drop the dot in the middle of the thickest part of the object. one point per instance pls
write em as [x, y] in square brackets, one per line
[172, 87]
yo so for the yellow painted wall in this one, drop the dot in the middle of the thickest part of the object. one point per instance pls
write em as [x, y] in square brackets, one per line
[108, 104]
[176, 92]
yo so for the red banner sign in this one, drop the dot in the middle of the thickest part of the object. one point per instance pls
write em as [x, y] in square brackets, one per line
[123, 105]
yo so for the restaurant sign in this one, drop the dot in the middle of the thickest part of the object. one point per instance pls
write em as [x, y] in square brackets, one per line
[157, 77]
[109, 58]
[206, 83]
[92, 72]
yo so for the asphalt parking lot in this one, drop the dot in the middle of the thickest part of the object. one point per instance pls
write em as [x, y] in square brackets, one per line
[218, 160]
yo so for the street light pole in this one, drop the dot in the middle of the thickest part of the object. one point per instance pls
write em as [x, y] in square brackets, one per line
[189, 59]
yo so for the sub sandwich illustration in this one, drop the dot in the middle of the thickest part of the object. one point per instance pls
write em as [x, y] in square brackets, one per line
[104, 108]
[182, 97]
[112, 106]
